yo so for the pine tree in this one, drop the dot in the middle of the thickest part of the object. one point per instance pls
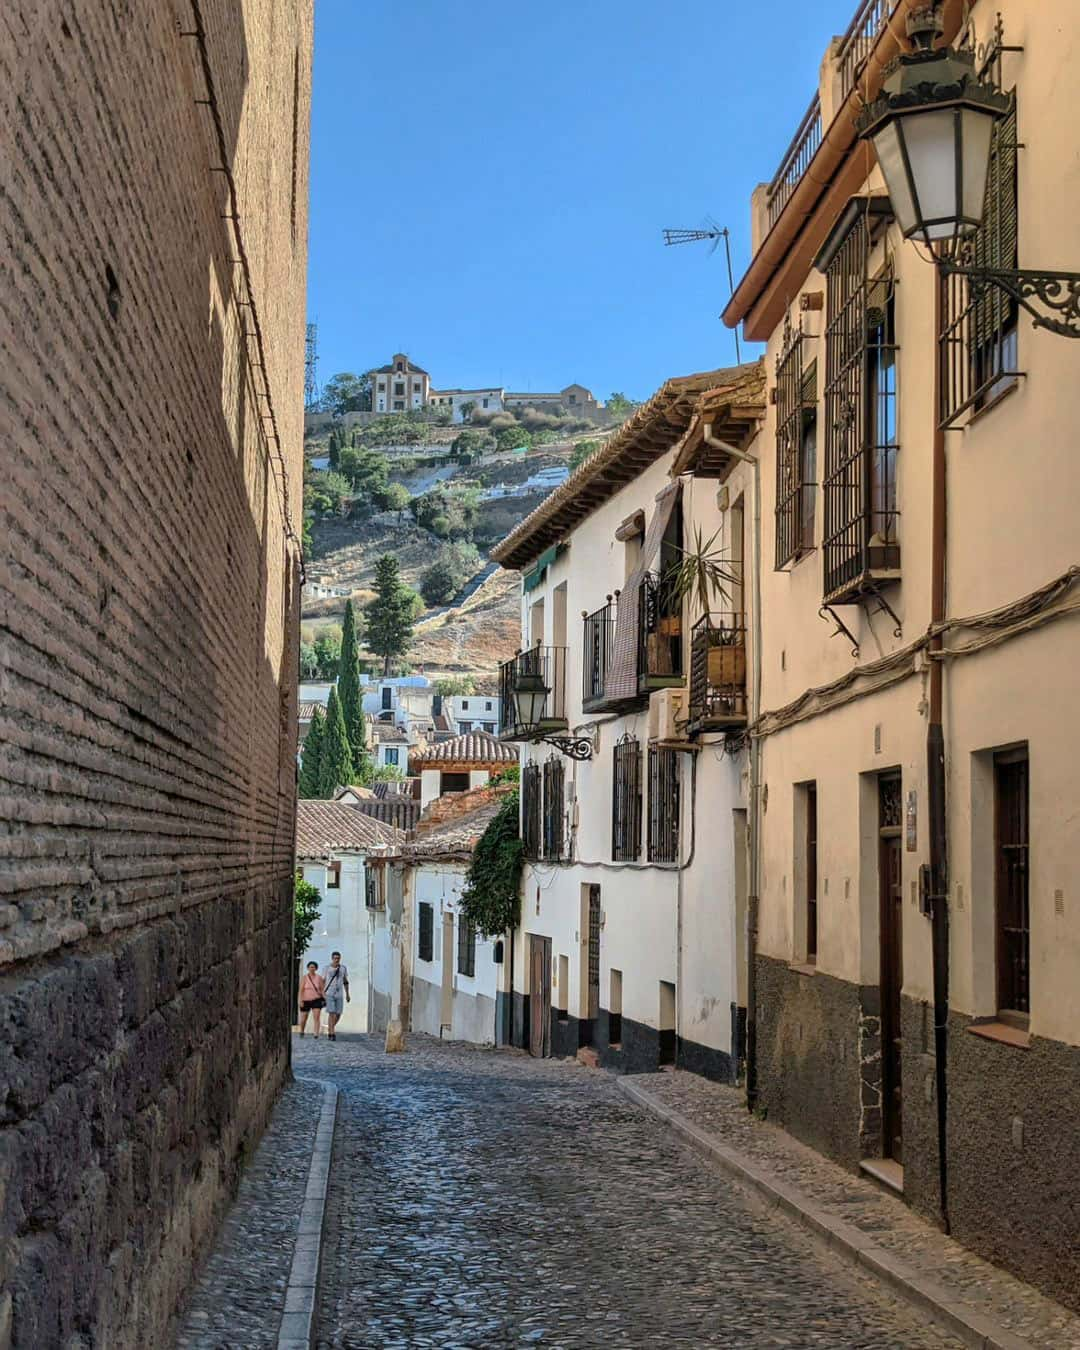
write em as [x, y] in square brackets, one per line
[311, 755]
[335, 758]
[389, 615]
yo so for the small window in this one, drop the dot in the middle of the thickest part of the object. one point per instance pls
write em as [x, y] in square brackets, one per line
[387, 697]
[663, 805]
[464, 704]
[489, 727]
[399, 389]
[333, 877]
[453, 782]
[466, 961]
[426, 937]
[531, 811]
[1011, 837]
[811, 873]
[485, 402]
[390, 754]
[626, 804]
[554, 807]
[488, 705]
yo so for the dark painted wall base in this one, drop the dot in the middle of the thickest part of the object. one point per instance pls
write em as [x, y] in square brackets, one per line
[1014, 1156]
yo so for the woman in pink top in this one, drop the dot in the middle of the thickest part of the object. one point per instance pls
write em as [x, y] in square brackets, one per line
[312, 996]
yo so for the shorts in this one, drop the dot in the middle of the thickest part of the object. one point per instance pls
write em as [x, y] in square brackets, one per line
[335, 1002]
[311, 1003]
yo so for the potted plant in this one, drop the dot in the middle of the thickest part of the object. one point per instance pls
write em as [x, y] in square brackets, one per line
[702, 574]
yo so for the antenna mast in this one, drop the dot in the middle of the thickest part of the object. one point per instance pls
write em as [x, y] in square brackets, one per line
[714, 233]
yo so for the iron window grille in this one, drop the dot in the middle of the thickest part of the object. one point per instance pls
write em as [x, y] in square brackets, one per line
[663, 846]
[531, 811]
[796, 449]
[599, 644]
[554, 807]
[626, 804]
[466, 951]
[373, 897]
[861, 540]
[1013, 913]
[425, 948]
[978, 345]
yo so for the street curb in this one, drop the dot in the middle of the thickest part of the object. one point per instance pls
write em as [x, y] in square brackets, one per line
[297, 1329]
[847, 1241]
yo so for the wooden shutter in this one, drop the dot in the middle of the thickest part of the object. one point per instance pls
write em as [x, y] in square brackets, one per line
[995, 244]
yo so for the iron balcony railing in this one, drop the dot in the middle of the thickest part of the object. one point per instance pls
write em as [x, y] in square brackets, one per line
[855, 46]
[718, 673]
[599, 643]
[659, 635]
[550, 664]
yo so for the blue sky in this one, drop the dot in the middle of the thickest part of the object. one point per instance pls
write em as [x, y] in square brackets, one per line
[490, 180]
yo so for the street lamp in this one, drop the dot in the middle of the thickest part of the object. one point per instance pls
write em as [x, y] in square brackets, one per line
[530, 695]
[932, 128]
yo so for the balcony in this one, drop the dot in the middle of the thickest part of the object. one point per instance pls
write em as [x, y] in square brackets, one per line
[718, 674]
[660, 663]
[855, 46]
[550, 664]
[599, 643]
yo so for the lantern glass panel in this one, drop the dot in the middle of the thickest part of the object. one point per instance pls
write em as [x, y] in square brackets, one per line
[930, 139]
[891, 159]
[977, 131]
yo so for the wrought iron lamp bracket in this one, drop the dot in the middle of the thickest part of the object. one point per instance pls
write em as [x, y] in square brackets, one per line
[1059, 292]
[576, 747]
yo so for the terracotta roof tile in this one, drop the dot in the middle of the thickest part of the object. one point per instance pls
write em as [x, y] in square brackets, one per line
[333, 827]
[472, 747]
[457, 837]
[653, 430]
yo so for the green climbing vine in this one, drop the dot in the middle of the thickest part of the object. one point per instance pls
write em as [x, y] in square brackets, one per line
[491, 898]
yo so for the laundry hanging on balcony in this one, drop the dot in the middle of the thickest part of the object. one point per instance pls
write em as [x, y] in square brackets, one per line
[622, 681]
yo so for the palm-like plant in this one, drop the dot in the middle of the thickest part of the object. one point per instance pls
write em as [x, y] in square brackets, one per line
[701, 573]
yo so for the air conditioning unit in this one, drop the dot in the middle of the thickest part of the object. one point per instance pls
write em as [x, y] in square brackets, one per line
[665, 712]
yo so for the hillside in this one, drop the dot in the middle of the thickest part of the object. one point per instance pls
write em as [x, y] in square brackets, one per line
[480, 626]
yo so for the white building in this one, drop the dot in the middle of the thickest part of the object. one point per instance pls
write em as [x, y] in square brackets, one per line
[472, 712]
[476, 400]
[400, 387]
[389, 745]
[401, 699]
[459, 764]
[634, 895]
[333, 843]
[430, 968]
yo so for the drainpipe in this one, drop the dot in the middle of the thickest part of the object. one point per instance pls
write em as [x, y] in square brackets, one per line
[935, 779]
[754, 813]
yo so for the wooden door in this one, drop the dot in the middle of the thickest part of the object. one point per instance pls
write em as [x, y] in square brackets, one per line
[890, 861]
[539, 996]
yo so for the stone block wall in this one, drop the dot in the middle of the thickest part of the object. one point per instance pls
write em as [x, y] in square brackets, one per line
[148, 638]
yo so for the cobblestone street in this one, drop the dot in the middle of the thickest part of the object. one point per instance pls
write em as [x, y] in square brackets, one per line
[483, 1198]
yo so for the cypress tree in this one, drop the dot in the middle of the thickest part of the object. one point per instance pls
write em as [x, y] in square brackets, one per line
[389, 615]
[335, 448]
[335, 759]
[348, 684]
[311, 755]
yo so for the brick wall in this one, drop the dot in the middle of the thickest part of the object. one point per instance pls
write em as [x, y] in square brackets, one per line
[148, 631]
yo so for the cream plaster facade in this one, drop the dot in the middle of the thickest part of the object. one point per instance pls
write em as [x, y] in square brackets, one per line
[1011, 478]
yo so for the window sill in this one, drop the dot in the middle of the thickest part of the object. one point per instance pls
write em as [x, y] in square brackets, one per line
[1002, 1033]
[988, 407]
[803, 967]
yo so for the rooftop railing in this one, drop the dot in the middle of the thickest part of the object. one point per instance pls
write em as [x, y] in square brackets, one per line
[855, 46]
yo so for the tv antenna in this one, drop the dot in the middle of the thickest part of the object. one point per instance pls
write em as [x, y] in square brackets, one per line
[713, 233]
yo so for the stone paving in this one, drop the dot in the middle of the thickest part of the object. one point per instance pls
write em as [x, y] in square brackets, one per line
[240, 1295]
[482, 1198]
[994, 1293]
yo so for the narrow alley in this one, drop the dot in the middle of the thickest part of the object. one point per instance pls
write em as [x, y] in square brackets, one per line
[483, 1198]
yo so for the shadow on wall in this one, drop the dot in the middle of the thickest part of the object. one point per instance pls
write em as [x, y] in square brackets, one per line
[153, 658]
